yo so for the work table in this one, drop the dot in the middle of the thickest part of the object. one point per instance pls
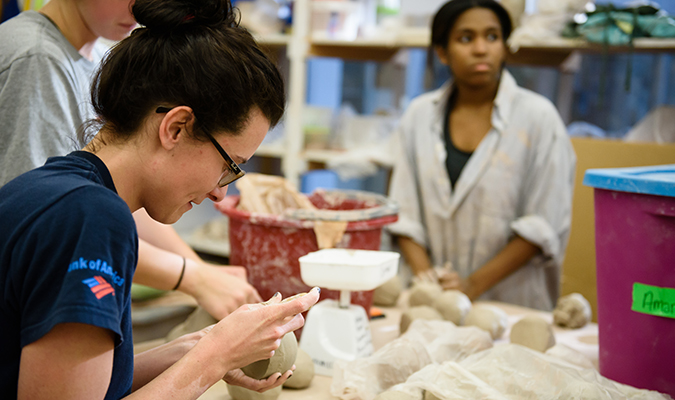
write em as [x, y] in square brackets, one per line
[386, 329]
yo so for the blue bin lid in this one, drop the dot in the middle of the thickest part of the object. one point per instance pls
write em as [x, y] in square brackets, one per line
[656, 180]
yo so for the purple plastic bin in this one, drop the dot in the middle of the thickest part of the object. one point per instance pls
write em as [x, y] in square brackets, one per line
[635, 244]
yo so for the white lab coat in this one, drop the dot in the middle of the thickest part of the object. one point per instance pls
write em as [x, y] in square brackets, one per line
[518, 181]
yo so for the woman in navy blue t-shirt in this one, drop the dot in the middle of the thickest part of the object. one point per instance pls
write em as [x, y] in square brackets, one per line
[180, 103]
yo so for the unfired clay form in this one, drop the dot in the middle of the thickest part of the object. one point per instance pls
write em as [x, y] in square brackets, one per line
[424, 293]
[572, 311]
[489, 318]
[281, 361]
[394, 395]
[304, 371]
[430, 396]
[453, 306]
[387, 294]
[240, 393]
[197, 320]
[419, 312]
[533, 332]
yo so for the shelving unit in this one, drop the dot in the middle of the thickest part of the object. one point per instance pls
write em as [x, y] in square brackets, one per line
[300, 47]
[297, 48]
[549, 53]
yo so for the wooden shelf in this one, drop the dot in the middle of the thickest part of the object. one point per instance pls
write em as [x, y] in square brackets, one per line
[550, 52]
[326, 156]
[554, 52]
[563, 44]
[373, 49]
[312, 155]
[320, 156]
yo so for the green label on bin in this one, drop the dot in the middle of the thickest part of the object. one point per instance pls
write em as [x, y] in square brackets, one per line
[653, 300]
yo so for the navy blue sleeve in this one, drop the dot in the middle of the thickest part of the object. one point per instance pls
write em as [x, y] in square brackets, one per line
[80, 258]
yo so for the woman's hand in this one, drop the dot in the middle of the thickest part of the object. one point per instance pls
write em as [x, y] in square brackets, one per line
[237, 377]
[254, 331]
[452, 281]
[219, 289]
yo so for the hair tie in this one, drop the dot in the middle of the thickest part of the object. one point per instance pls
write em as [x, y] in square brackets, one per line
[188, 17]
[180, 279]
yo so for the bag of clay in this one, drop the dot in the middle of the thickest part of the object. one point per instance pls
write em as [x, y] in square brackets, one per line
[365, 378]
[518, 372]
[569, 355]
[424, 343]
[444, 341]
[510, 371]
[442, 381]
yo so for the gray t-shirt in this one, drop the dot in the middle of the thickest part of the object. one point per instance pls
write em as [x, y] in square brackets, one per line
[44, 93]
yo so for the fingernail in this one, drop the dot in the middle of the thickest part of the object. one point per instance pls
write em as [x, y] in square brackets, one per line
[277, 294]
[278, 377]
[318, 289]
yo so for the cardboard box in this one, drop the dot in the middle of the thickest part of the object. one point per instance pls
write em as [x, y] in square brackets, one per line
[579, 266]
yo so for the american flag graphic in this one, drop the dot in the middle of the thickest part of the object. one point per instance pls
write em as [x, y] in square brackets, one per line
[99, 286]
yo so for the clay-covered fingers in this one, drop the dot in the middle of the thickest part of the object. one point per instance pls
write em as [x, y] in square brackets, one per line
[276, 298]
[237, 377]
[273, 381]
[290, 313]
[205, 330]
[291, 323]
[302, 303]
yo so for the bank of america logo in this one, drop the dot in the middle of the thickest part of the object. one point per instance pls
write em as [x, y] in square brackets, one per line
[99, 286]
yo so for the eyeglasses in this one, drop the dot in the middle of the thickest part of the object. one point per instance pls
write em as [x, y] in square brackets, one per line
[233, 171]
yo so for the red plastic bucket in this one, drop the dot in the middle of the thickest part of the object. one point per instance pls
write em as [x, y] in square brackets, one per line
[269, 246]
[635, 257]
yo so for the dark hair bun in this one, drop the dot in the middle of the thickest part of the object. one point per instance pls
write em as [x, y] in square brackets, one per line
[168, 15]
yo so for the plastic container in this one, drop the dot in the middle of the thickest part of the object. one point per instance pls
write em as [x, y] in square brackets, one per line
[343, 269]
[635, 256]
[269, 246]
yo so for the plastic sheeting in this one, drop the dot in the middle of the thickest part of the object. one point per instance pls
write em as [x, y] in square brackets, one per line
[657, 127]
[425, 343]
[449, 362]
[510, 371]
